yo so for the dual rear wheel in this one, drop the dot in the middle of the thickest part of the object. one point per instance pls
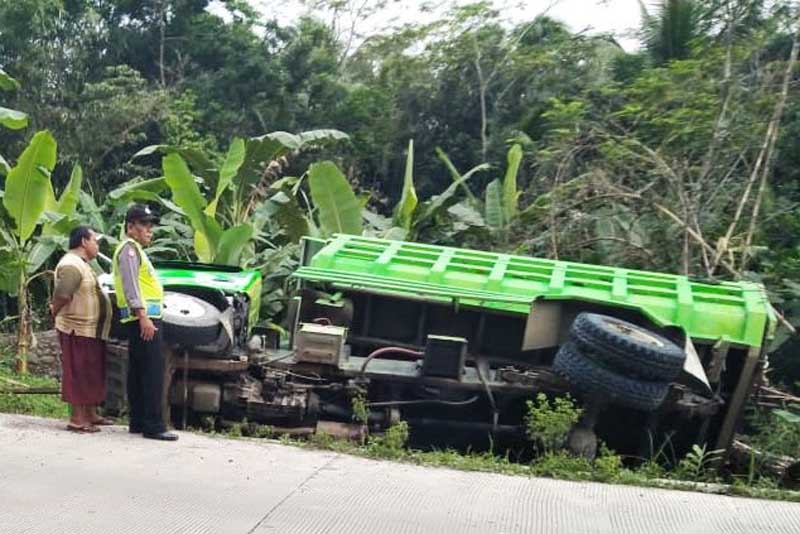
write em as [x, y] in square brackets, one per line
[620, 362]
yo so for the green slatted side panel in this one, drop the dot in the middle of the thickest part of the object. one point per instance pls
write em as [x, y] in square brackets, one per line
[736, 311]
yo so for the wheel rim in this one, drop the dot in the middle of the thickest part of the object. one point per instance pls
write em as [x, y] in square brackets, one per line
[636, 333]
[181, 306]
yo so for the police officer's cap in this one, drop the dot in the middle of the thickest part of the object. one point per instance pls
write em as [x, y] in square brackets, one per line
[141, 213]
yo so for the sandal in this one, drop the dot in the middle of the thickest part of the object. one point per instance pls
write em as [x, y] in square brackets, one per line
[82, 429]
[103, 421]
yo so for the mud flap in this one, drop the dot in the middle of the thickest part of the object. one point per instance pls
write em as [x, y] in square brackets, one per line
[544, 329]
[693, 375]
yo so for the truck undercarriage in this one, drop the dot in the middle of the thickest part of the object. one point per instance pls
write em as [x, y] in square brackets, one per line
[459, 371]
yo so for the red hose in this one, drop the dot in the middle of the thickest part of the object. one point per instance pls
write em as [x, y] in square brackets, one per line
[387, 350]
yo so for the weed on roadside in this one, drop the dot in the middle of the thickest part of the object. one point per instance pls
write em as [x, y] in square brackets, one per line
[41, 405]
[777, 432]
[391, 444]
[549, 422]
[698, 465]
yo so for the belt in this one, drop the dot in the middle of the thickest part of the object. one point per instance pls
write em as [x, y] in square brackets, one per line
[152, 310]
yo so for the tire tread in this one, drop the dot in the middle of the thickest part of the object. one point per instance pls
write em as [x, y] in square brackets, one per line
[625, 354]
[589, 377]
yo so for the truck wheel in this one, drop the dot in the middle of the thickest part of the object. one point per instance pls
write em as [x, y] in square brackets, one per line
[589, 377]
[219, 349]
[189, 321]
[582, 441]
[627, 347]
[116, 402]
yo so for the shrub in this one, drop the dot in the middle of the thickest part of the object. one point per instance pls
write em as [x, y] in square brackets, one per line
[392, 443]
[548, 423]
[698, 465]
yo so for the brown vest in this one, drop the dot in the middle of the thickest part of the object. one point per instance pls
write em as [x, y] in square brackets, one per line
[89, 312]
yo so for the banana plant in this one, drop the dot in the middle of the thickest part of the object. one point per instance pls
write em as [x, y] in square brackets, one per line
[220, 199]
[30, 205]
[502, 198]
[500, 205]
[404, 211]
[412, 217]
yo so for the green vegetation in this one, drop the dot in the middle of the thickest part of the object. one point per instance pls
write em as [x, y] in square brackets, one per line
[778, 432]
[575, 148]
[39, 405]
[391, 444]
[607, 467]
[677, 157]
[698, 465]
[549, 423]
[360, 408]
[695, 472]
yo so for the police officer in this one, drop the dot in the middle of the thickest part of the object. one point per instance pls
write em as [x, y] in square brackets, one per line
[140, 299]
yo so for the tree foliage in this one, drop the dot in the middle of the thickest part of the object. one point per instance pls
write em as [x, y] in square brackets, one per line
[677, 157]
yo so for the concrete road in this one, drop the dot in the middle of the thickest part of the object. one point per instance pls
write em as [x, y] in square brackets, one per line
[53, 481]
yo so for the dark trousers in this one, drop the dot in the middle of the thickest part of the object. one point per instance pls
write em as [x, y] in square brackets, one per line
[146, 369]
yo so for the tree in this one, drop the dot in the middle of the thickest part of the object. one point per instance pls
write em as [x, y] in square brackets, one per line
[670, 33]
[31, 204]
[10, 118]
[347, 19]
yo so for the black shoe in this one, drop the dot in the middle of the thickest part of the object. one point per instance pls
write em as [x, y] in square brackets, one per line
[134, 430]
[161, 436]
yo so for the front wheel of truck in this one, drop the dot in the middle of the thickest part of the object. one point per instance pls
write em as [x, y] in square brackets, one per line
[190, 321]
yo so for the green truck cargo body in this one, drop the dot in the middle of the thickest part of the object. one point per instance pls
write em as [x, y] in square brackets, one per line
[735, 312]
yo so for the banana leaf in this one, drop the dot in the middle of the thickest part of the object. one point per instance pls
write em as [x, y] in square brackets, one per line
[186, 195]
[494, 204]
[233, 161]
[232, 243]
[260, 151]
[13, 119]
[67, 204]
[28, 184]
[404, 212]
[439, 203]
[457, 175]
[7, 83]
[198, 161]
[510, 192]
[339, 210]
[153, 185]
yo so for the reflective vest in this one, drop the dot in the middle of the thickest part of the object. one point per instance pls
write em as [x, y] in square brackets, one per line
[149, 287]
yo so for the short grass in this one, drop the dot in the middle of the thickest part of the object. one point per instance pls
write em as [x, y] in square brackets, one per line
[40, 405]
[560, 465]
[607, 468]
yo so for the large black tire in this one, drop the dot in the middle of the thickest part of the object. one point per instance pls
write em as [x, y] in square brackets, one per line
[190, 321]
[219, 349]
[116, 401]
[590, 378]
[628, 348]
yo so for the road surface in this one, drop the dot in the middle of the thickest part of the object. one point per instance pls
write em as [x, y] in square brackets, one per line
[53, 481]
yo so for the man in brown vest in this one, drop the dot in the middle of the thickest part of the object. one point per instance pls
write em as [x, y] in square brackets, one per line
[83, 319]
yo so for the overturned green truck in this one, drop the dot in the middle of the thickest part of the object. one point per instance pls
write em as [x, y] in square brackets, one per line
[455, 342]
